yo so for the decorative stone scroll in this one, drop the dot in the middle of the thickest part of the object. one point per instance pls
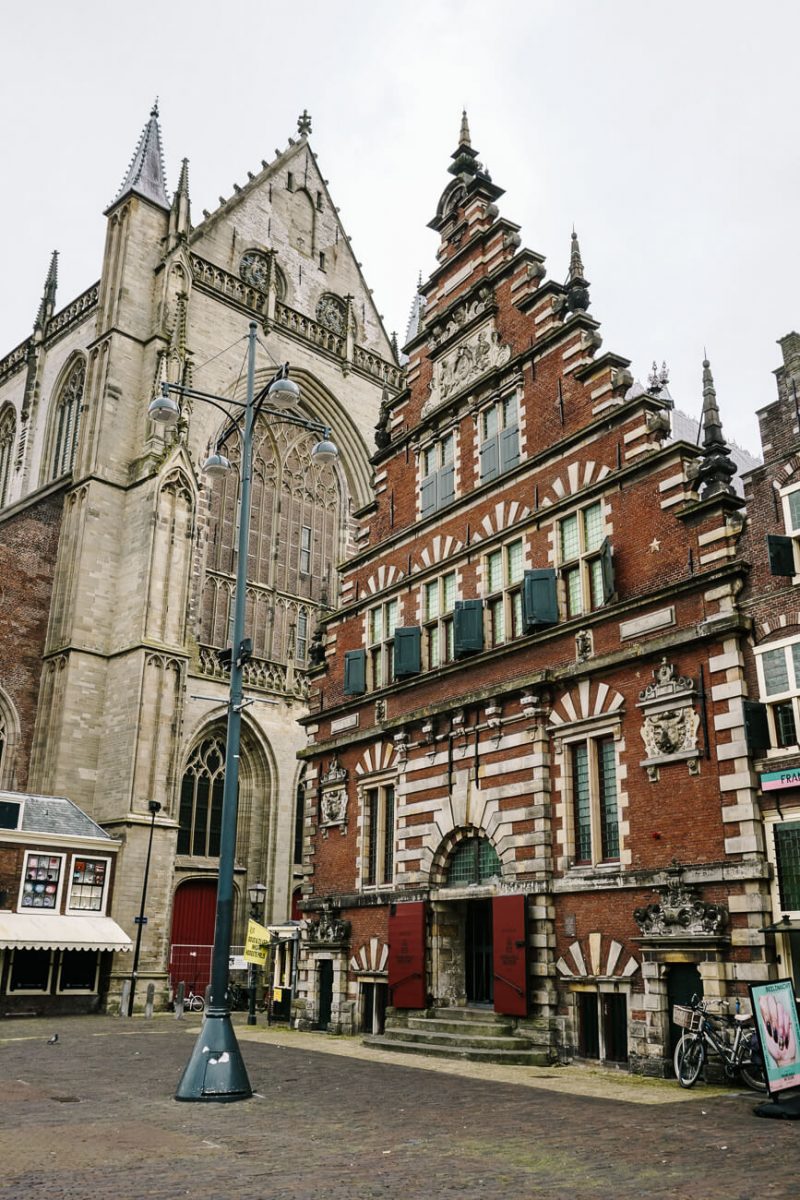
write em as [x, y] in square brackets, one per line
[681, 912]
[482, 351]
[669, 729]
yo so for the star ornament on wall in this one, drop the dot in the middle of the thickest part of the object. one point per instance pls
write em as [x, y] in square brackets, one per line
[655, 545]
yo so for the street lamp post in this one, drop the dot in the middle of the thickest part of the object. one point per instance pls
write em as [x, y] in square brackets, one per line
[154, 807]
[216, 1070]
[257, 893]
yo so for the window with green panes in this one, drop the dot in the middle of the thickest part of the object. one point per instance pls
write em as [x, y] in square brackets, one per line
[504, 569]
[793, 506]
[474, 860]
[580, 539]
[595, 807]
[378, 859]
[779, 674]
[438, 602]
[381, 624]
[787, 859]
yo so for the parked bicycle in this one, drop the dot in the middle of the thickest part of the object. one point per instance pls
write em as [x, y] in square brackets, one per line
[193, 1002]
[705, 1034]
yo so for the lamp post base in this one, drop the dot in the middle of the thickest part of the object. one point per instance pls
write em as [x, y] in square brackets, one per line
[215, 1071]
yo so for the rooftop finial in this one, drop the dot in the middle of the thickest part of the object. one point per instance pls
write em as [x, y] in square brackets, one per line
[464, 138]
[48, 301]
[716, 469]
[145, 175]
[575, 261]
[577, 287]
[304, 123]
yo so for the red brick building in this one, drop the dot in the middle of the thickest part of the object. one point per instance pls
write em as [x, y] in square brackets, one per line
[527, 783]
[772, 547]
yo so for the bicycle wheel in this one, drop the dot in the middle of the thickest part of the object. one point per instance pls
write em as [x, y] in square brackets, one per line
[196, 1004]
[689, 1058]
[753, 1075]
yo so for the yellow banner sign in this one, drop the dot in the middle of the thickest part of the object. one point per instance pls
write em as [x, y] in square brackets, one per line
[255, 949]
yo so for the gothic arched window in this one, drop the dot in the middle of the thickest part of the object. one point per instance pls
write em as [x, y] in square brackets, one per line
[8, 428]
[67, 420]
[299, 818]
[474, 860]
[200, 816]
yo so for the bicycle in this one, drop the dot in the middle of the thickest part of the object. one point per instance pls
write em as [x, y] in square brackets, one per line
[193, 1002]
[742, 1056]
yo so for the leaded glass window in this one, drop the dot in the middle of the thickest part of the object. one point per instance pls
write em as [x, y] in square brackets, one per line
[8, 426]
[595, 806]
[68, 421]
[787, 857]
[475, 861]
[200, 817]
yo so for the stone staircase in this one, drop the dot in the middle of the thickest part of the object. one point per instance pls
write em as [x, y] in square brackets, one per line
[476, 1034]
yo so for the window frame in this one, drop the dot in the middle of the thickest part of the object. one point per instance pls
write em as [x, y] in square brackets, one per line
[72, 909]
[435, 464]
[438, 627]
[380, 650]
[73, 991]
[8, 437]
[301, 636]
[773, 701]
[597, 803]
[43, 991]
[305, 549]
[585, 565]
[506, 423]
[378, 817]
[56, 906]
[503, 603]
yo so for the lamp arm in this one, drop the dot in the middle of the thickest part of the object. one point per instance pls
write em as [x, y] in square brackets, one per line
[179, 390]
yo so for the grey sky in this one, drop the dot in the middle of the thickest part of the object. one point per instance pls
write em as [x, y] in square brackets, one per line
[666, 133]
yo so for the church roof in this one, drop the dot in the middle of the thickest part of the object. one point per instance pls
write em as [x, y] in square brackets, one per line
[145, 174]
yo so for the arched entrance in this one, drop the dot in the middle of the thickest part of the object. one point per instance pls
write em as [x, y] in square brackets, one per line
[192, 938]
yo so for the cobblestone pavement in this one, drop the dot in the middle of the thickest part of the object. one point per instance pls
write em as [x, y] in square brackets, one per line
[94, 1116]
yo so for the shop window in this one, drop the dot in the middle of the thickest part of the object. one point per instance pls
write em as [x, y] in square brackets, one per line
[779, 680]
[438, 602]
[437, 473]
[41, 881]
[381, 624]
[200, 818]
[87, 889]
[602, 1026]
[378, 830]
[78, 971]
[30, 971]
[499, 438]
[503, 583]
[585, 560]
[595, 808]
[474, 860]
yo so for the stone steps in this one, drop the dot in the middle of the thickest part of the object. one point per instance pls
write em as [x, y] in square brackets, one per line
[522, 1058]
[478, 1035]
[471, 1041]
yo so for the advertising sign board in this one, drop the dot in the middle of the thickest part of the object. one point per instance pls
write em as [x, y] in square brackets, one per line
[775, 1014]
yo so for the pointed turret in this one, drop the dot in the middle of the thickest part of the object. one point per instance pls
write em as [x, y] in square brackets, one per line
[465, 159]
[179, 215]
[577, 285]
[145, 175]
[716, 469]
[48, 302]
[417, 312]
[470, 177]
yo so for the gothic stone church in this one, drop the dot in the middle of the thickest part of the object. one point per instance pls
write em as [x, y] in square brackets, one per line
[118, 559]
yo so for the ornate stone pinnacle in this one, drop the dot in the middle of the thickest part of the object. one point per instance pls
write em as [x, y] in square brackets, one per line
[463, 137]
[304, 123]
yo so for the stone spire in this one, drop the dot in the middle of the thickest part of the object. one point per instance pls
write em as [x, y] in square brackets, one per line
[465, 159]
[716, 469]
[145, 174]
[464, 138]
[577, 285]
[417, 312]
[48, 302]
[179, 217]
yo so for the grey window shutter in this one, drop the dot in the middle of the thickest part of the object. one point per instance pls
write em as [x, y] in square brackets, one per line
[607, 568]
[427, 496]
[446, 489]
[509, 448]
[355, 672]
[781, 554]
[489, 458]
[407, 651]
[756, 726]
[539, 599]
[467, 627]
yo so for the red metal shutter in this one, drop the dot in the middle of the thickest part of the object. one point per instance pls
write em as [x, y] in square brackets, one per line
[407, 955]
[510, 964]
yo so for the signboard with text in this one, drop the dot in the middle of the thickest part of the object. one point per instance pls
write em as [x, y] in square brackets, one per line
[775, 1015]
[256, 943]
[772, 780]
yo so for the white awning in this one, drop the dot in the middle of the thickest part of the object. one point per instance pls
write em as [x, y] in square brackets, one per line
[51, 931]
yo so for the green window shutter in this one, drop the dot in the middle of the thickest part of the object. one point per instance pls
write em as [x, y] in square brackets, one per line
[355, 672]
[427, 495]
[468, 627]
[407, 651]
[781, 554]
[607, 568]
[756, 726]
[509, 448]
[446, 486]
[490, 461]
[539, 599]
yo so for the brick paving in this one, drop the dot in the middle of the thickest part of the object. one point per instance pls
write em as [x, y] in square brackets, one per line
[93, 1116]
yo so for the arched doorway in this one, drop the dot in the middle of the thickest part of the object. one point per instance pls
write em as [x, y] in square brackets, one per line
[192, 938]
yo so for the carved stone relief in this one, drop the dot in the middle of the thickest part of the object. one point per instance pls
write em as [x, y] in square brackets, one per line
[670, 721]
[482, 351]
[680, 912]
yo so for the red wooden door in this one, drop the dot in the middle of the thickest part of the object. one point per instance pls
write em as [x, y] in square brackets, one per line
[194, 913]
[407, 955]
[510, 966]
